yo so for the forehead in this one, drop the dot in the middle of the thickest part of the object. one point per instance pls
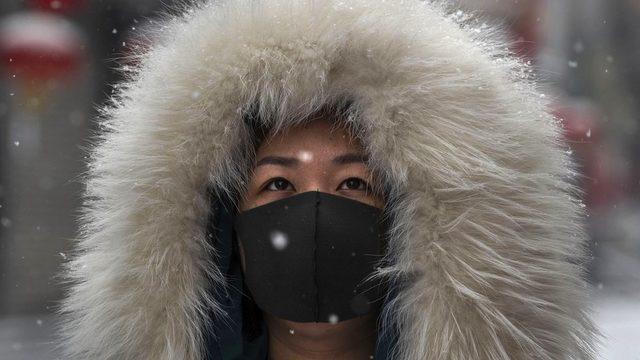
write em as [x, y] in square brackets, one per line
[319, 136]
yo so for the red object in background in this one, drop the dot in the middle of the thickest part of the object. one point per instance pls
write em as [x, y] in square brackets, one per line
[602, 181]
[579, 125]
[522, 17]
[60, 6]
[38, 47]
[526, 30]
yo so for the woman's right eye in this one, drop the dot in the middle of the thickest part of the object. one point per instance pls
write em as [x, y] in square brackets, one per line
[278, 184]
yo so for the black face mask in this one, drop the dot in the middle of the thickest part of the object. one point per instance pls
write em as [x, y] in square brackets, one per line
[308, 256]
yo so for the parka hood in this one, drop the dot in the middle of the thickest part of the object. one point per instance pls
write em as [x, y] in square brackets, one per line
[488, 229]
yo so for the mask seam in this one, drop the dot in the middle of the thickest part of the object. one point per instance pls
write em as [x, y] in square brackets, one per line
[315, 258]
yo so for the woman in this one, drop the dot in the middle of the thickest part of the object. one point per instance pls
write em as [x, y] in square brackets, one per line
[476, 229]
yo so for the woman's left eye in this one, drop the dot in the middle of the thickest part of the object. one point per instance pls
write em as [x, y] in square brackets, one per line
[354, 183]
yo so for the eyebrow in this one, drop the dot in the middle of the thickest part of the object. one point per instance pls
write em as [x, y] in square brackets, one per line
[278, 160]
[293, 162]
[350, 158]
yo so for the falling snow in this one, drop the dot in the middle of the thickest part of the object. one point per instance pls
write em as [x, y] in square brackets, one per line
[305, 155]
[279, 240]
[578, 47]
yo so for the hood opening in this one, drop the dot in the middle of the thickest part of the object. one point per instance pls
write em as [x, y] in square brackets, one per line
[243, 332]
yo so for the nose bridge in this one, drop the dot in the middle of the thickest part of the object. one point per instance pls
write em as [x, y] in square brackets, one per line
[316, 178]
[316, 185]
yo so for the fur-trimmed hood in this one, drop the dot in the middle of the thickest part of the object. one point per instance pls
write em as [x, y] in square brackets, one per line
[487, 231]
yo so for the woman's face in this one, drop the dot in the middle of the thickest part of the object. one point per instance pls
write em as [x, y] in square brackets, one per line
[310, 157]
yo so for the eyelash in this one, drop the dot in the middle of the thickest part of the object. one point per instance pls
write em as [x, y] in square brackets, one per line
[272, 181]
[367, 187]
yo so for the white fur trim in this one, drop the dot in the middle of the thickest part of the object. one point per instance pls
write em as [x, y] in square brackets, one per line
[488, 225]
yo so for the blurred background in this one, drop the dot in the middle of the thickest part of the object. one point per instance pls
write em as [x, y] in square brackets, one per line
[57, 64]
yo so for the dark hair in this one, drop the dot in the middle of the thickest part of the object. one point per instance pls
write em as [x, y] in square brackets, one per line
[336, 112]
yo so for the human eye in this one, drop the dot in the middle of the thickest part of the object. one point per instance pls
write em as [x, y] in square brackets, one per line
[278, 184]
[354, 183]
